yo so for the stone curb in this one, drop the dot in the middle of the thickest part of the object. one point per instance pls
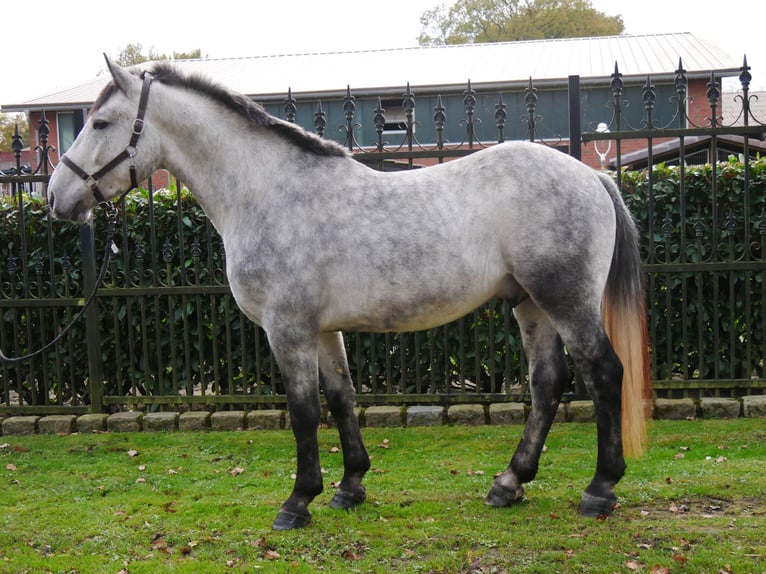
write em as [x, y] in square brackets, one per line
[753, 406]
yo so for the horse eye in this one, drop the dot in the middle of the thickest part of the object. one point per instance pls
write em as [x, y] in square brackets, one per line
[100, 124]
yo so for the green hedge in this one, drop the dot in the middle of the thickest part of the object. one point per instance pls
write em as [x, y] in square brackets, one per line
[156, 343]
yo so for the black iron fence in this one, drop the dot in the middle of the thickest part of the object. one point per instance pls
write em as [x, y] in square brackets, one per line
[165, 331]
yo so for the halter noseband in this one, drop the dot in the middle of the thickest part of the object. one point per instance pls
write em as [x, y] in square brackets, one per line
[91, 180]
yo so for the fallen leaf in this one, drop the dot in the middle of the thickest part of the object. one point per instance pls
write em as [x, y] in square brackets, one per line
[349, 555]
[169, 507]
[679, 456]
[236, 471]
[10, 467]
[673, 507]
[334, 450]
[4, 446]
[659, 570]
[142, 467]
[271, 554]
[632, 565]
[132, 453]
[668, 480]
[385, 444]
[172, 471]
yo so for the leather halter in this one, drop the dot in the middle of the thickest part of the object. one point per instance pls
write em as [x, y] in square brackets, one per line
[91, 179]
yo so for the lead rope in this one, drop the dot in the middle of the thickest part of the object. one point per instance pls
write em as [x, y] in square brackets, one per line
[111, 222]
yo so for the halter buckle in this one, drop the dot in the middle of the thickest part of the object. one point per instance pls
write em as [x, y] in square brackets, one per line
[91, 183]
[138, 126]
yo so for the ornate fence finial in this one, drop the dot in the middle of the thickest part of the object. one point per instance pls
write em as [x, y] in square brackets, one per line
[440, 118]
[291, 107]
[320, 120]
[501, 115]
[530, 99]
[713, 96]
[469, 103]
[379, 120]
[349, 108]
[744, 75]
[649, 96]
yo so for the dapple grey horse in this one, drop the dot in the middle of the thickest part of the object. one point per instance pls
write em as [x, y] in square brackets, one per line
[317, 243]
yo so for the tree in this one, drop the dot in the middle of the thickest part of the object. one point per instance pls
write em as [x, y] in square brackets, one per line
[133, 54]
[8, 123]
[477, 21]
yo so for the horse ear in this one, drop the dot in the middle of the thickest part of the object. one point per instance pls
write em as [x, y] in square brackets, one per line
[122, 79]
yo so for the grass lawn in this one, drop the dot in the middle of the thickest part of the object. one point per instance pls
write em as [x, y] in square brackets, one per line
[181, 502]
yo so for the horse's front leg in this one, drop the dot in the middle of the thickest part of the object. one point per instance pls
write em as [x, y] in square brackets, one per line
[338, 389]
[296, 355]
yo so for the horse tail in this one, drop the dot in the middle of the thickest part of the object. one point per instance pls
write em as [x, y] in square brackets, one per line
[625, 322]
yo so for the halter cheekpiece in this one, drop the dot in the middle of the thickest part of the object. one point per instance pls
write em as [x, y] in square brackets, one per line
[91, 179]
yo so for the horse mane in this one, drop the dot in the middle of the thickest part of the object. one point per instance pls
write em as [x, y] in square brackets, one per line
[251, 111]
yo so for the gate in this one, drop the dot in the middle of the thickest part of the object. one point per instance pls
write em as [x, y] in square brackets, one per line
[165, 332]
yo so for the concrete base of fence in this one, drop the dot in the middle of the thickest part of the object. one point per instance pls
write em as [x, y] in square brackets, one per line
[57, 424]
[471, 415]
[375, 416]
[720, 408]
[227, 420]
[383, 417]
[425, 416]
[158, 422]
[674, 409]
[581, 411]
[20, 425]
[131, 421]
[754, 406]
[194, 421]
[90, 423]
[507, 413]
[265, 420]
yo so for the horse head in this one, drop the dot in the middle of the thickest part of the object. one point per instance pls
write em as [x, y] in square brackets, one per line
[99, 166]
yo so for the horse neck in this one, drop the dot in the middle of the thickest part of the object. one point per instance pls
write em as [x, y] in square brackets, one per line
[216, 155]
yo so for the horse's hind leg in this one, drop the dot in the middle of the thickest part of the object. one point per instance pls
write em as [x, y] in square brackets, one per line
[601, 371]
[339, 391]
[549, 375]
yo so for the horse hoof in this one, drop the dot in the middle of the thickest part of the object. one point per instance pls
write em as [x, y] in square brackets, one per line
[290, 520]
[500, 496]
[596, 505]
[346, 500]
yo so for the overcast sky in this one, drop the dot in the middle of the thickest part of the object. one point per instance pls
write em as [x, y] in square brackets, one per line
[55, 44]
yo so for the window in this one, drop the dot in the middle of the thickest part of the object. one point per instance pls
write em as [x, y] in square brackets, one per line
[65, 130]
[396, 118]
[69, 125]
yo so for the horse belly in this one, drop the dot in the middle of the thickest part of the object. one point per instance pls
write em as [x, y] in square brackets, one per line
[413, 307]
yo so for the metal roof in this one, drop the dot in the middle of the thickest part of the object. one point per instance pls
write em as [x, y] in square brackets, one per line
[436, 67]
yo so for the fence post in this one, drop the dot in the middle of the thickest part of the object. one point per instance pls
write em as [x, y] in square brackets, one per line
[92, 335]
[575, 136]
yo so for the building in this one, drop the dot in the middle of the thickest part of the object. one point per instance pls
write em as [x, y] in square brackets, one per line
[442, 75]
